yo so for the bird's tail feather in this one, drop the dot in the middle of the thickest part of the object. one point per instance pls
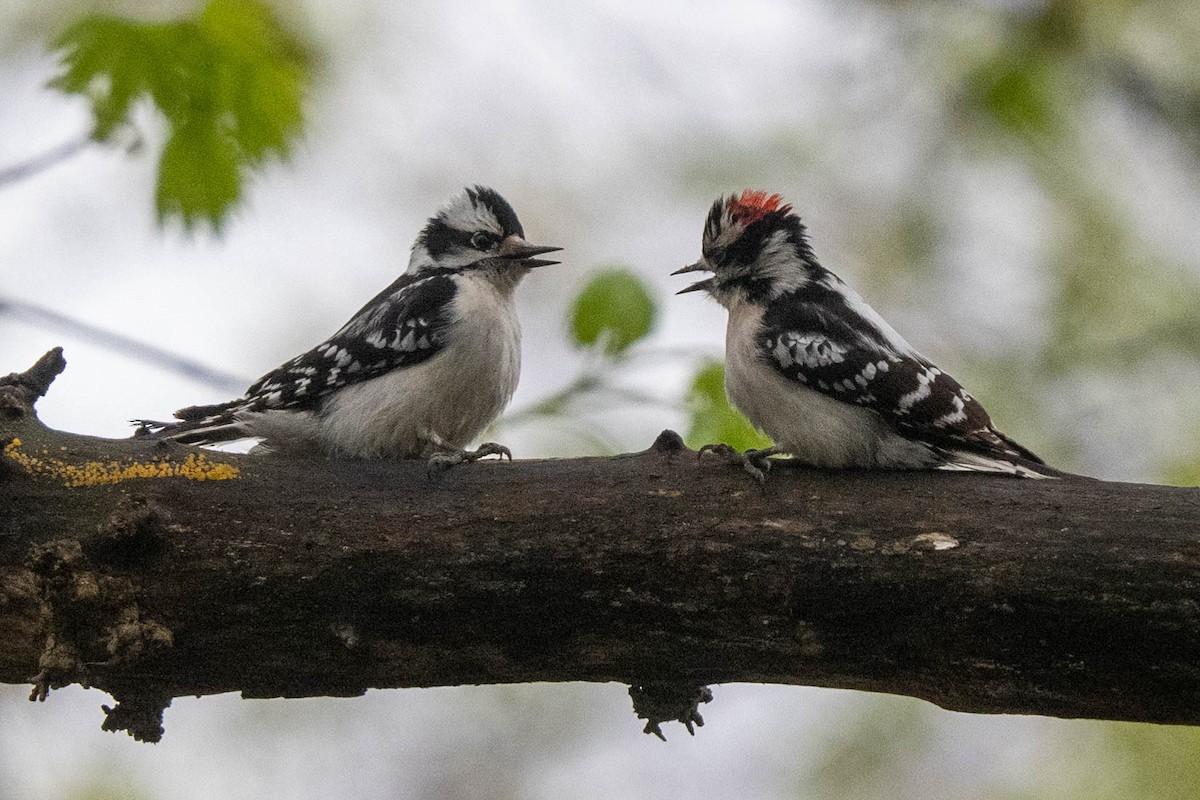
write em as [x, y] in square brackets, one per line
[967, 461]
[1024, 452]
[198, 425]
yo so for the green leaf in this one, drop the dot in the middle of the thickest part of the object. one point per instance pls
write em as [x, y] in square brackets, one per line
[229, 82]
[198, 175]
[615, 306]
[713, 419]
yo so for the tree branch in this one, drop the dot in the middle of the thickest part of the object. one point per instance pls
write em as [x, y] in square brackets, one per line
[153, 571]
[123, 345]
[27, 169]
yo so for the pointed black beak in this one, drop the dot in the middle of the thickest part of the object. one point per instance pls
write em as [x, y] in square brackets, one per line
[696, 267]
[698, 286]
[517, 249]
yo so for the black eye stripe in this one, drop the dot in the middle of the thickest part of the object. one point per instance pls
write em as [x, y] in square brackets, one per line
[438, 238]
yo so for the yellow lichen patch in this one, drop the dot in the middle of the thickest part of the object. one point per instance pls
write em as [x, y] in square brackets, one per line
[195, 467]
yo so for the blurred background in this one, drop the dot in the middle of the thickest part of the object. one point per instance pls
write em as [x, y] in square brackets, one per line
[1014, 185]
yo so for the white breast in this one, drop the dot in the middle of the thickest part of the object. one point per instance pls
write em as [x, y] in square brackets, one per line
[449, 399]
[817, 429]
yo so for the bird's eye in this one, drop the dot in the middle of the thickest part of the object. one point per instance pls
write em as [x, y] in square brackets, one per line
[482, 241]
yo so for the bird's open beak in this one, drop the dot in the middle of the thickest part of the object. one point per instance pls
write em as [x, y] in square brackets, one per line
[698, 286]
[517, 249]
[697, 267]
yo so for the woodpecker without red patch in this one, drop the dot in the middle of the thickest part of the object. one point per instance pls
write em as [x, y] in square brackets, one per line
[751, 206]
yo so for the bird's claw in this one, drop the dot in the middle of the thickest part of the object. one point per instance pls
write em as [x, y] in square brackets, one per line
[443, 460]
[756, 462]
[719, 449]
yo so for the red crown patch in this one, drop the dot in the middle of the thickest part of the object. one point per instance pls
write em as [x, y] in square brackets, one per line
[751, 206]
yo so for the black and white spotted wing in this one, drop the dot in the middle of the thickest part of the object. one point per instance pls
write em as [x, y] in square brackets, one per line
[820, 340]
[404, 325]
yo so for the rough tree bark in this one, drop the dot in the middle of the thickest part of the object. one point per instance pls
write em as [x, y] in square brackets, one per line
[150, 572]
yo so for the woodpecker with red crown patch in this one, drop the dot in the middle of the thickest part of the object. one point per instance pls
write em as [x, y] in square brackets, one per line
[819, 371]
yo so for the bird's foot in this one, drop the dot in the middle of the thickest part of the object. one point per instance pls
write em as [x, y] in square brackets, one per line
[443, 460]
[756, 462]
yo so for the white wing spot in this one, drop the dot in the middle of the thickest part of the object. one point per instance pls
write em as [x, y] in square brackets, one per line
[922, 391]
[782, 354]
[951, 417]
[810, 350]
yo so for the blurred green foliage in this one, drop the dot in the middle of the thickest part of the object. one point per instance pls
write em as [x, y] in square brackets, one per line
[1184, 472]
[1016, 93]
[881, 748]
[615, 309]
[1148, 762]
[1114, 761]
[872, 751]
[712, 419]
[229, 82]
[1116, 300]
